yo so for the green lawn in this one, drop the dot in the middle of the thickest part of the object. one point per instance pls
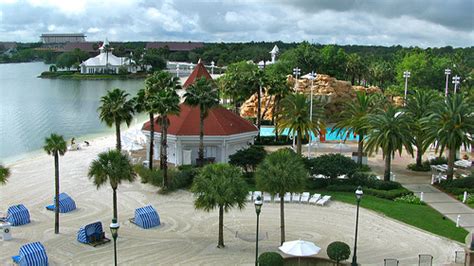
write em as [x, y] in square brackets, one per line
[421, 216]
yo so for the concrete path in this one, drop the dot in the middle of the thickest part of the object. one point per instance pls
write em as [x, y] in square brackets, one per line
[421, 182]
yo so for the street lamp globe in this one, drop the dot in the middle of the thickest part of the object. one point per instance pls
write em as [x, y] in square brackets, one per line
[114, 227]
[258, 204]
[447, 71]
[261, 64]
[359, 193]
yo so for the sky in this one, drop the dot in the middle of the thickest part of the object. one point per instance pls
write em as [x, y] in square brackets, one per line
[423, 23]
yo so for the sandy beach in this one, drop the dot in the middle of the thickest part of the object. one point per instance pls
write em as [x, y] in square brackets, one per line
[187, 236]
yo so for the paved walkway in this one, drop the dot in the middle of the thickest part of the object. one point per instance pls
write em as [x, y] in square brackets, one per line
[420, 182]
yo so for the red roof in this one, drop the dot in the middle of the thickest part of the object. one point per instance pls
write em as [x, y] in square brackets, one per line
[198, 72]
[219, 122]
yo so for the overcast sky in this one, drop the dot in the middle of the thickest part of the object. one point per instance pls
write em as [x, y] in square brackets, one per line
[371, 22]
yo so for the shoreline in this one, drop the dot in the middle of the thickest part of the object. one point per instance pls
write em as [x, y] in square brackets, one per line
[91, 137]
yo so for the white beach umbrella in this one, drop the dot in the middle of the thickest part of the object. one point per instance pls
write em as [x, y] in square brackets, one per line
[299, 248]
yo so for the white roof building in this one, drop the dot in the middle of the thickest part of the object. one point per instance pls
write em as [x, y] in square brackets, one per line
[107, 62]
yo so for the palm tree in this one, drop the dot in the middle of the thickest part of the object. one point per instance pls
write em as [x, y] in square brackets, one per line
[148, 100]
[280, 172]
[114, 167]
[354, 118]
[451, 125]
[4, 174]
[390, 131]
[55, 145]
[167, 104]
[257, 80]
[219, 186]
[279, 87]
[202, 93]
[420, 105]
[295, 115]
[116, 109]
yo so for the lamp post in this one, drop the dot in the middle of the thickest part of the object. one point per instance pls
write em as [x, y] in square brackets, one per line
[312, 76]
[447, 72]
[296, 72]
[177, 70]
[406, 75]
[455, 81]
[114, 227]
[358, 194]
[212, 67]
[258, 207]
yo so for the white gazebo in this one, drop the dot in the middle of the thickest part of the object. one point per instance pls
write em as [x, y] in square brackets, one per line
[107, 62]
[224, 131]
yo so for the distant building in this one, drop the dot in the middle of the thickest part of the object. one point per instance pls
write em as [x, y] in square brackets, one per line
[61, 38]
[106, 62]
[175, 46]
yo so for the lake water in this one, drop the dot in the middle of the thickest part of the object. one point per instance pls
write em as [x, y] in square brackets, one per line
[32, 108]
[330, 135]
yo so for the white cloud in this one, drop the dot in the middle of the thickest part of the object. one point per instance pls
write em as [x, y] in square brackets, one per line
[247, 20]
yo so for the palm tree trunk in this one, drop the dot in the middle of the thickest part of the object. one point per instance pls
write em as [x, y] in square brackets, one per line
[162, 130]
[201, 138]
[282, 219]
[117, 135]
[360, 149]
[298, 142]
[164, 148]
[236, 105]
[115, 202]
[353, 80]
[388, 160]
[56, 199]
[220, 242]
[259, 111]
[419, 156]
[152, 138]
[275, 111]
[451, 158]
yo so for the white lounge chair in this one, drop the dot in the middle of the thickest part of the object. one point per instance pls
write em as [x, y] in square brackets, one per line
[305, 197]
[296, 197]
[314, 198]
[257, 194]
[323, 200]
[250, 196]
[287, 197]
[276, 198]
[267, 197]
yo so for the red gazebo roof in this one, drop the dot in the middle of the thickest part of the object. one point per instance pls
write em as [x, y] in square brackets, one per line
[198, 72]
[219, 122]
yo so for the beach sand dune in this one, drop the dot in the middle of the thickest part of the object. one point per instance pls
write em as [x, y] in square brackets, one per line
[187, 236]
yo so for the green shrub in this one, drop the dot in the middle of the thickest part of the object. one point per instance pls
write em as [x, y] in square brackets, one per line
[248, 158]
[364, 168]
[425, 167]
[362, 178]
[411, 199]
[342, 188]
[469, 200]
[384, 185]
[338, 251]
[270, 259]
[317, 183]
[332, 165]
[183, 176]
[438, 160]
[387, 194]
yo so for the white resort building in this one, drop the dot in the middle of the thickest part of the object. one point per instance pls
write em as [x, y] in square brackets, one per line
[107, 62]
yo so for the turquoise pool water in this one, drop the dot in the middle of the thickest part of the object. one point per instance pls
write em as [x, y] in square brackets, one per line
[330, 136]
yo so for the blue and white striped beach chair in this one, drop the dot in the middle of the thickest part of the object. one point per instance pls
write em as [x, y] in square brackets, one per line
[32, 254]
[92, 234]
[66, 203]
[146, 217]
[18, 215]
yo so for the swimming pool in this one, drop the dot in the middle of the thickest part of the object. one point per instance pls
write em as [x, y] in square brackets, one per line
[330, 136]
